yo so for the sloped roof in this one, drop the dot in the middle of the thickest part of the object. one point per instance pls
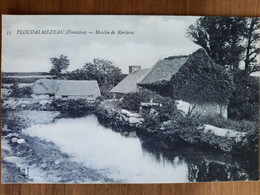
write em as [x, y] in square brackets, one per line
[129, 84]
[164, 69]
[66, 87]
[45, 86]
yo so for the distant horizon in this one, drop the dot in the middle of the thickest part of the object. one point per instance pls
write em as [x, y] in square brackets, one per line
[29, 48]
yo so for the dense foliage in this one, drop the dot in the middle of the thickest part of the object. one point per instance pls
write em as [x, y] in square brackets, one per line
[201, 80]
[103, 71]
[59, 65]
[228, 40]
[242, 125]
[24, 74]
[164, 110]
[10, 80]
[231, 42]
[244, 102]
[21, 92]
[250, 142]
[161, 87]
[251, 47]
[131, 101]
[73, 107]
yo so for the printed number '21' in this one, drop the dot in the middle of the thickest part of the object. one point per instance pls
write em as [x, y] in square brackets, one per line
[8, 32]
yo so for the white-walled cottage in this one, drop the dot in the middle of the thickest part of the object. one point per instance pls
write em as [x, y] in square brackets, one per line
[66, 89]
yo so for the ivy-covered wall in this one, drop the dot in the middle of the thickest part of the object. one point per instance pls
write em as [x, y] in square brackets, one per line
[200, 80]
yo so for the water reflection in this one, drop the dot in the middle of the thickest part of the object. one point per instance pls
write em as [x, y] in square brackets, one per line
[204, 164]
[118, 157]
[124, 157]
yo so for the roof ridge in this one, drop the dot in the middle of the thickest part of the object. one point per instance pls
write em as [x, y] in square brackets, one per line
[165, 68]
[75, 80]
[176, 57]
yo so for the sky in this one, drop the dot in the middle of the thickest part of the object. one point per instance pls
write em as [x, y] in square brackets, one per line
[153, 38]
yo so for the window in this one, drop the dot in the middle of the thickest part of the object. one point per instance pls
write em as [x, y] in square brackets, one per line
[64, 97]
[51, 96]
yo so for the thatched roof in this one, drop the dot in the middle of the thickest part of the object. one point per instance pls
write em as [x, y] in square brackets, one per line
[164, 69]
[193, 78]
[45, 86]
[66, 87]
[129, 84]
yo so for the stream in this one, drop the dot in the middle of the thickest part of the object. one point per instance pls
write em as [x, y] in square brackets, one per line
[129, 159]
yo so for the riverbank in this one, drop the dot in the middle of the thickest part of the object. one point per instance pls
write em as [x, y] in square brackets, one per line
[111, 115]
[45, 161]
[229, 136]
[182, 129]
[41, 156]
[192, 140]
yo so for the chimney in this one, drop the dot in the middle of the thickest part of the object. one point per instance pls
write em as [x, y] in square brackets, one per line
[134, 68]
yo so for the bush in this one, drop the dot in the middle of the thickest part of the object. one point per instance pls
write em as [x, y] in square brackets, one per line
[131, 101]
[10, 80]
[242, 125]
[187, 129]
[166, 111]
[161, 87]
[73, 107]
[244, 102]
[22, 92]
[250, 142]
[100, 98]
[105, 92]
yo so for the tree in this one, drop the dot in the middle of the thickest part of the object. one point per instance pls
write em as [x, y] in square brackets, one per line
[77, 74]
[59, 65]
[252, 44]
[233, 41]
[228, 40]
[221, 37]
[104, 71]
[244, 102]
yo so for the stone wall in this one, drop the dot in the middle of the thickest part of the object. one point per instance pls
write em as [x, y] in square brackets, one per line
[118, 119]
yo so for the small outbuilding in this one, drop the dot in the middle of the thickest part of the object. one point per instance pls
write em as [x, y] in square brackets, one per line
[66, 89]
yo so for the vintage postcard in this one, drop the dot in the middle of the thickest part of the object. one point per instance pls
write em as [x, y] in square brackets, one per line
[129, 99]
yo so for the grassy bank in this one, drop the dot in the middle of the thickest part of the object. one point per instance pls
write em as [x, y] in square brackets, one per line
[43, 158]
[170, 125]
